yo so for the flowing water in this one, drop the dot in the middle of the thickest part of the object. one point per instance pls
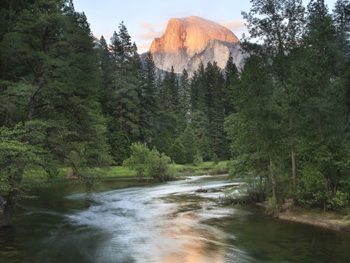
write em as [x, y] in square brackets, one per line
[129, 222]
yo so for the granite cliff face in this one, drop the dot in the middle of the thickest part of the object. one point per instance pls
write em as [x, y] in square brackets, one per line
[188, 41]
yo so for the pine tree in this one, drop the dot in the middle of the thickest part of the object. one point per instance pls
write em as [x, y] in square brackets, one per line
[197, 94]
[51, 82]
[163, 141]
[198, 114]
[124, 102]
[205, 149]
[323, 111]
[214, 104]
[177, 152]
[148, 100]
[184, 100]
[163, 94]
[188, 140]
[280, 24]
[231, 78]
[106, 71]
[341, 15]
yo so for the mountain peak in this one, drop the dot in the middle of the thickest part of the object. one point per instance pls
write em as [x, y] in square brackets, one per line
[191, 40]
[191, 33]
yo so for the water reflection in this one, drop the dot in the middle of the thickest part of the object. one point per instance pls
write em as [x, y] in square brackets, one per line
[164, 223]
[159, 223]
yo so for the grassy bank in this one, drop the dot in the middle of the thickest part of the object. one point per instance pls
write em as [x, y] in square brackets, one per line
[201, 169]
[120, 171]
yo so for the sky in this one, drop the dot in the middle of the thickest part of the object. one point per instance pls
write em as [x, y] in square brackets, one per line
[147, 19]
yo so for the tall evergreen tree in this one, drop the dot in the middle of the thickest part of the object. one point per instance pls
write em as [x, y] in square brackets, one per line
[198, 114]
[124, 102]
[280, 25]
[205, 149]
[188, 140]
[50, 81]
[177, 152]
[341, 14]
[173, 87]
[323, 110]
[214, 104]
[231, 78]
[106, 71]
[184, 100]
[148, 100]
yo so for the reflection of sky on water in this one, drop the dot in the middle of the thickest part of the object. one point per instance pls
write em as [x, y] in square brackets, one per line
[164, 223]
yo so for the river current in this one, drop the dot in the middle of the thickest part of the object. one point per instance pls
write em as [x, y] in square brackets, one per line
[170, 222]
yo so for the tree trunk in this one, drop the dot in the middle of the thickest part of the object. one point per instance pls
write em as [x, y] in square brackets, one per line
[294, 173]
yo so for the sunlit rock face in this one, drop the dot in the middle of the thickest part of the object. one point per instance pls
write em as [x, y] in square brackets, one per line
[188, 41]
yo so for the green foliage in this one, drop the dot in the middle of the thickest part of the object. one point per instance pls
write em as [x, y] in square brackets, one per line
[205, 148]
[163, 142]
[148, 100]
[197, 159]
[157, 166]
[177, 152]
[184, 100]
[144, 161]
[138, 159]
[120, 145]
[290, 104]
[340, 201]
[273, 206]
[215, 159]
[220, 168]
[188, 140]
[49, 88]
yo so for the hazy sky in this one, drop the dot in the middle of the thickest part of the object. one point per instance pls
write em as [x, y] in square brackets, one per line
[147, 19]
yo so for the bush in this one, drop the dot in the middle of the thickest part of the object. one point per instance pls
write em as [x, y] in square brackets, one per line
[197, 159]
[138, 159]
[273, 206]
[220, 168]
[143, 161]
[339, 202]
[157, 165]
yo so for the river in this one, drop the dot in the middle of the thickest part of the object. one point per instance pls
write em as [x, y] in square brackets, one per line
[131, 222]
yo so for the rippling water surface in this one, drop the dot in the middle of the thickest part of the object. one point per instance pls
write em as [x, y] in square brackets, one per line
[170, 222]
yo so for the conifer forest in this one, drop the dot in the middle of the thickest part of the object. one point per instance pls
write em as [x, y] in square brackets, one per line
[68, 99]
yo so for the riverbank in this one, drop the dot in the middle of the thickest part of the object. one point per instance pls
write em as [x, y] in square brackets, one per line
[66, 173]
[329, 220]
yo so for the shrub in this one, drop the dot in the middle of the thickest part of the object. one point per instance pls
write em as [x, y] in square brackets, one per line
[197, 159]
[138, 159]
[157, 165]
[143, 161]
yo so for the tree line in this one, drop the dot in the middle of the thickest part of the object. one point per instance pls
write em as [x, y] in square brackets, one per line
[68, 99]
[290, 131]
[181, 116]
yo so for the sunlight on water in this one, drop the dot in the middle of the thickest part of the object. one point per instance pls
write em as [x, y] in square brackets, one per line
[169, 222]
[157, 224]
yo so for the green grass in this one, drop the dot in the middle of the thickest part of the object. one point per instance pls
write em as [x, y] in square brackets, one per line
[202, 168]
[120, 171]
[198, 167]
[117, 171]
